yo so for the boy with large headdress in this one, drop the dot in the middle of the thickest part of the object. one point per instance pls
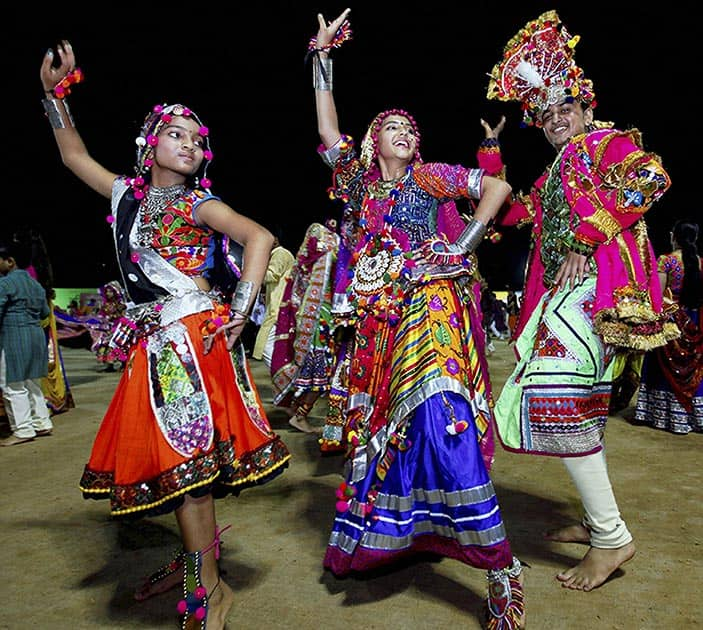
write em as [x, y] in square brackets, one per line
[591, 286]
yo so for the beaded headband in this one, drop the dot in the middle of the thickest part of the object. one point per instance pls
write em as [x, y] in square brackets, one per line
[160, 116]
[369, 145]
[538, 69]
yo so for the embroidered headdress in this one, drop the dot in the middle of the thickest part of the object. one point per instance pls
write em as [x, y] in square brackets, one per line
[156, 119]
[538, 69]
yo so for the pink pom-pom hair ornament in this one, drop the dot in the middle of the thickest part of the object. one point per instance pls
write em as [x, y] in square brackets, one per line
[538, 69]
[156, 119]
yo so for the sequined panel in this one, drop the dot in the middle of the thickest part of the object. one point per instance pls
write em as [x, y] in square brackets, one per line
[247, 390]
[562, 419]
[178, 398]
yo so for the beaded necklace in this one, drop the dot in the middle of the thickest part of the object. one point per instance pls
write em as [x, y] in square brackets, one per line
[378, 265]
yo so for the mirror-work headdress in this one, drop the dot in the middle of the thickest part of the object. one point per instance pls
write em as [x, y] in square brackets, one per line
[538, 69]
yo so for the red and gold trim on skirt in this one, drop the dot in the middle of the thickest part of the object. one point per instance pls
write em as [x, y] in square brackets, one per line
[132, 461]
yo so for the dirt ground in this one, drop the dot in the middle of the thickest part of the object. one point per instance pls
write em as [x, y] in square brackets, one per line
[69, 566]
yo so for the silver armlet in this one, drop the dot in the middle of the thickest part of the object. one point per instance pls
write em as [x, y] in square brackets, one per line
[322, 73]
[471, 237]
[53, 113]
[241, 300]
[331, 156]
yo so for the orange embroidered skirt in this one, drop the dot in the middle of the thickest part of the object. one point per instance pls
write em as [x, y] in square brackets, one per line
[181, 422]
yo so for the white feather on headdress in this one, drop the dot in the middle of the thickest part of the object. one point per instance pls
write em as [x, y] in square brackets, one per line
[528, 72]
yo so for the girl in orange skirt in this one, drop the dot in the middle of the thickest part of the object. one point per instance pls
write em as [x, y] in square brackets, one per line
[186, 424]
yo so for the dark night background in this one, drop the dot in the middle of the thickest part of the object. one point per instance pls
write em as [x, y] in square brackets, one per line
[240, 67]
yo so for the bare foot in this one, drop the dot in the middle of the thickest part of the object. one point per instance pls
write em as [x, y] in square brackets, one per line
[219, 604]
[148, 588]
[303, 425]
[571, 533]
[595, 567]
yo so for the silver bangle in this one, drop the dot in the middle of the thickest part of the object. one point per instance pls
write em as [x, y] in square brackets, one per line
[471, 237]
[241, 299]
[331, 156]
[322, 73]
[53, 113]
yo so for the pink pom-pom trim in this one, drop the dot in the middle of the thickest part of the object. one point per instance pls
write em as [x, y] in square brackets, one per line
[461, 426]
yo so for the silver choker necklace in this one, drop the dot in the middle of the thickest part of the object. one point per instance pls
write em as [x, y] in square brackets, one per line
[158, 198]
[155, 202]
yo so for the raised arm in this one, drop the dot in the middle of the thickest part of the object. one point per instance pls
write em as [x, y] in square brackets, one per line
[73, 151]
[327, 122]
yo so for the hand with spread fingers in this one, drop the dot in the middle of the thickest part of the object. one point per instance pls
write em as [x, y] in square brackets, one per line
[327, 31]
[493, 132]
[231, 330]
[573, 270]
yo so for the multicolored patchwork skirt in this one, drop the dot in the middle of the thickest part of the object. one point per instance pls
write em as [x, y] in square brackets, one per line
[670, 395]
[418, 482]
[181, 421]
[556, 400]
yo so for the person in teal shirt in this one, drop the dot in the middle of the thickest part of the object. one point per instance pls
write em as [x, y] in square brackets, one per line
[24, 356]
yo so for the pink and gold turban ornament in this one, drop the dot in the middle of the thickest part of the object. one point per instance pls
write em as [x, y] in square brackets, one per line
[369, 144]
[538, 69]
[148, 138]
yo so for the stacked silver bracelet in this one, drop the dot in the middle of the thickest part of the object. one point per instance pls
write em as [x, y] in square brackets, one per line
[241, 300]
[471, 237]
[322, 73]
[56, 119]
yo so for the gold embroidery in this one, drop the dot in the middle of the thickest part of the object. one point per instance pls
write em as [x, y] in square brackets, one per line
[526, 201]
[626, 258]
[603, 222]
